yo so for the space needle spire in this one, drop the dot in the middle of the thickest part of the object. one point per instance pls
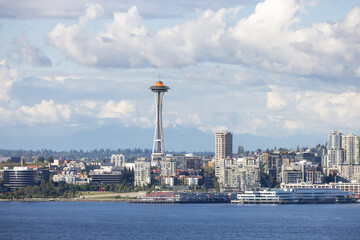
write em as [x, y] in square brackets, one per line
[158, 147]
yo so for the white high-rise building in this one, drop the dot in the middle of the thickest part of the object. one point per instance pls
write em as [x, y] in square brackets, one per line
[168, 168]
[335, 152]
[334, 158]
[351, 147]
[142, 172]
[223, 148]
[334, 141]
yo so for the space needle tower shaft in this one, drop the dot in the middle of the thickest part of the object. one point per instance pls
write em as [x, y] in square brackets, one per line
[159, 89]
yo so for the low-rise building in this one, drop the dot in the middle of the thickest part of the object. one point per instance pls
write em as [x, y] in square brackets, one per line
[106, 178]
[169, 181]
[58, 162]
[20, 177]
[350, 187]
[292, 176]
[192, 163]
[107, 174]
[192, 180]
[314, 176]
[168, 167]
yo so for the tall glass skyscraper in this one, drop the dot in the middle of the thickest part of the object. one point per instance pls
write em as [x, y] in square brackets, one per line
[334, 141]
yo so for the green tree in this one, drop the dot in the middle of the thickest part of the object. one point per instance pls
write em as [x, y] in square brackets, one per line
[240, 150]
[50, 159]
[41, 159]
[216, 184]
[209, 170]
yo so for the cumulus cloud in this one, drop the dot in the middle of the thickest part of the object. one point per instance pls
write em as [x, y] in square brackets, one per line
[275, 111]
[275, 99]
[13, 111]
[292, 125]
[331, 108]
[121, 110]
[24, 52]
[280, 111]
[71, 40]
[315, 111]
[7, 78]
[126, 112]
[126, 42]
[263, 88]
[44, 112]
[266, 39]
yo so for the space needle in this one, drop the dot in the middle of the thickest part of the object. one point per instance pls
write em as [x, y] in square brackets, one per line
[158, 147]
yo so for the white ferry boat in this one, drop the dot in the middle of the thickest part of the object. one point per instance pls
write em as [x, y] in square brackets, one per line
[294, 195]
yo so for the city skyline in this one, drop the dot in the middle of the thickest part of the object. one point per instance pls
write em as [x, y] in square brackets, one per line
[75, 75]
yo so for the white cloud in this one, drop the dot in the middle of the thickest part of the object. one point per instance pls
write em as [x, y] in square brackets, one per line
[71, 40]
[126, 112]
[275, 98]
[331, 108]
[269, 40]
[13, 112]
[24, 52]
[126, 42]
[44, 112]
[121, 110]
[7, 78]
[316, 111]
[258, 75]
[292, 125]
[266, 39]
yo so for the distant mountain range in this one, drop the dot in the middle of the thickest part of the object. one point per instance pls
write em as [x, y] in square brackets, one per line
[176, 139]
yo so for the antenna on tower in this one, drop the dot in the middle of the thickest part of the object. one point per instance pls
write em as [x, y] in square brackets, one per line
[158, 68]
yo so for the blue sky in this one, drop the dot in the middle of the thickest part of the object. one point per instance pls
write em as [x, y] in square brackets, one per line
[274, 72]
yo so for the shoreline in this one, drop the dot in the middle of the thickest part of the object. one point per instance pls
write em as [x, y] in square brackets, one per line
[144, 202]
[64, 200]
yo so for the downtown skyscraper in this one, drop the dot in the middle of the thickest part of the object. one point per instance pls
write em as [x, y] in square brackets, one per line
[335, 152]
[351, 146]
[223, 148]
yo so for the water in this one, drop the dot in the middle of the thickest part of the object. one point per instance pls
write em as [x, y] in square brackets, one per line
[101, 220]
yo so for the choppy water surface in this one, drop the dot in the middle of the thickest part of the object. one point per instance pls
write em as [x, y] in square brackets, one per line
[101, 220]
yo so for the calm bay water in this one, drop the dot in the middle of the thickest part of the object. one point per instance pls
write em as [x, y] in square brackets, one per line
[101, 220]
